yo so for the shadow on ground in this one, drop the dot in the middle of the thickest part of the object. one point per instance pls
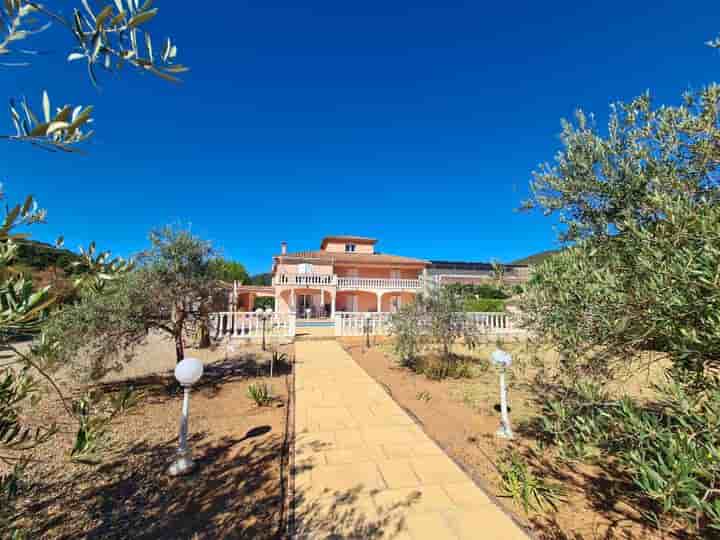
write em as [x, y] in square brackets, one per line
[238, 367]
[232, 494]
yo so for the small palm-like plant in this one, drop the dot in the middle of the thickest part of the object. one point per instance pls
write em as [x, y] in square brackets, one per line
[260, 393]
[526, 489]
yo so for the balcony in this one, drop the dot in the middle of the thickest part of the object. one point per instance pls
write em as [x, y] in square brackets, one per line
[305, 280]
[395, 284]
[347, 283]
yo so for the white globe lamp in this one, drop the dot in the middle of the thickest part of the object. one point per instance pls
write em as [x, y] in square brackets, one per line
[503, 361]
[187, 372]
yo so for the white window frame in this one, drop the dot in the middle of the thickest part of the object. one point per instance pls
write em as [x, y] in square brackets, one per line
[305, 268]
[350, 248]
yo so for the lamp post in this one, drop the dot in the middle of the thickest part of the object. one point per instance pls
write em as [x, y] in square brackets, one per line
[187, 373]
[502, 361]
[264, 316]
[367, 330]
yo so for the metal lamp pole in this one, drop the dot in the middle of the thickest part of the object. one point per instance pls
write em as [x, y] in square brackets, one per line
[187, 373]
[264, 316]
[367, 330]
[502, 361]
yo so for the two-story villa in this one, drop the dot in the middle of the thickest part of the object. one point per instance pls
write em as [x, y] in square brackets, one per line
[345, 274]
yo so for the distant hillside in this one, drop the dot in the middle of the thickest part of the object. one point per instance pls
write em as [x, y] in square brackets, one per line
[537, 258]
[41, 256]
[261, 279]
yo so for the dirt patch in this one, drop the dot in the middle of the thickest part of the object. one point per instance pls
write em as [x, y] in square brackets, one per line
[461, 415]
[237, 489]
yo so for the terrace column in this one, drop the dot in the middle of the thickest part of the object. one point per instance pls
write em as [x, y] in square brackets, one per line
[332, 304]
[379, 301]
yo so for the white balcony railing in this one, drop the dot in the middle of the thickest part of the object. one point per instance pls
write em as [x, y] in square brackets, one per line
[378, 283]
[249, 325]
[347, 283]
[305, 280]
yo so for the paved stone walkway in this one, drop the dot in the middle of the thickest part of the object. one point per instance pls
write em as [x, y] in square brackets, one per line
[363, 469]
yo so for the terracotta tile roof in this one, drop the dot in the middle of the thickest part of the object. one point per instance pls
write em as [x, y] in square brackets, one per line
[350, 258]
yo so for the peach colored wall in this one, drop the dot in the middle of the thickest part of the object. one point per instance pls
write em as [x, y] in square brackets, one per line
[405, 298]
[366, 301]
[378, 272]
[339, 247]
[282, 303]
[287, 268]
[246, 301]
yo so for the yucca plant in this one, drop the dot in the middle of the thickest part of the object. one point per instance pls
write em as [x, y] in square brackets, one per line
[261, 393]
[527, 490]
[277, 358]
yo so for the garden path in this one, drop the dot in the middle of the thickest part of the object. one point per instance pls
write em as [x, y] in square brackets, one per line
[364, 469]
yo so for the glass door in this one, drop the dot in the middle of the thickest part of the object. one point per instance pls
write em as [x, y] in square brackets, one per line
[304, 302]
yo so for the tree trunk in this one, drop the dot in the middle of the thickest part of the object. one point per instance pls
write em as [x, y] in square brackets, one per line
[179, 347]
[204, 326]
[178, 325]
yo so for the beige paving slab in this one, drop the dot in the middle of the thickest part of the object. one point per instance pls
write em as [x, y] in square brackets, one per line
[363, 469]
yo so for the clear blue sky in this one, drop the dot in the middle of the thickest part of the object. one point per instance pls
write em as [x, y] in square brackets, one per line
[418, 123]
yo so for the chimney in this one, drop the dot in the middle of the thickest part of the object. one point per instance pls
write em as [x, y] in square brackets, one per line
[283, 248]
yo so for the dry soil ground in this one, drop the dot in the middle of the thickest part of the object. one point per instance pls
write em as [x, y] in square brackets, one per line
[462, 416]
[236, 491]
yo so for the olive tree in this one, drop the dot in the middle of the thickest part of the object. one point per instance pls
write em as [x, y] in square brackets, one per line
[435, 318]
[640, 209]
[170, 292]
[108, 37]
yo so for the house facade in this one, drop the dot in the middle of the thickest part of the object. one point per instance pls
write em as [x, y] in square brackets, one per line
[346, 274]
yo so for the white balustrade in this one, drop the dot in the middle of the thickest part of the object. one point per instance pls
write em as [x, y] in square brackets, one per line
[357, 323]
[495, 321]
[249, 325]
[378, 283]
[305, 280]
[360, 323]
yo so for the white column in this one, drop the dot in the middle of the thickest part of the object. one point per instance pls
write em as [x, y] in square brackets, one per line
[379, 301]
[332, 304]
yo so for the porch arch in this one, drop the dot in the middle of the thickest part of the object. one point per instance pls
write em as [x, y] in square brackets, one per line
[387, 299]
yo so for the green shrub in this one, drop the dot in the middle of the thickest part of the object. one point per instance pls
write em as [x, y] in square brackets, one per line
[477, 291]
[484, 305]
[406, 326]
[670, 449]
[260, 393]
[528, 490]
[436, 368]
